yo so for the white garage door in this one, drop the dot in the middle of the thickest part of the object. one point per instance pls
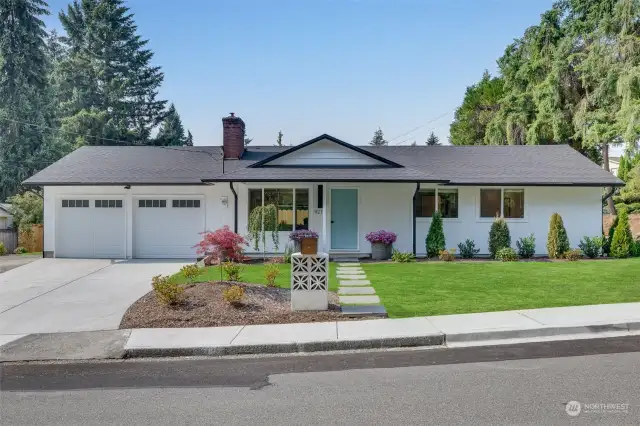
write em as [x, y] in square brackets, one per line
[167, 227]
[91, 228]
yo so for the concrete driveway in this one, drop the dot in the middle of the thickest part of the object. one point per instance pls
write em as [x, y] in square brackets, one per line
[62, 295]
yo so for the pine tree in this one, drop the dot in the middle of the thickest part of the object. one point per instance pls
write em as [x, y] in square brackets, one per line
[171, 130]
[435, 241]
[26, 107]
[621, 243]
[378, 138]
[189, 140]
[557, 240]
[433, 140]
[279, 140]
[109, 87]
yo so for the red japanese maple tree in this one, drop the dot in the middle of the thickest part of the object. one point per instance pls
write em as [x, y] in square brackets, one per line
[222, 244]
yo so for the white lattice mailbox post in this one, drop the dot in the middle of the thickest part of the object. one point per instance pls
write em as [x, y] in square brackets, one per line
[310, 282]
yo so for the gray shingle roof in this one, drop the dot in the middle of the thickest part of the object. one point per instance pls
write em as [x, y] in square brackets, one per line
[459, 165]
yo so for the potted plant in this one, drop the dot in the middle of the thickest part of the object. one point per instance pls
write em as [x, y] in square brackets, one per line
[381, 244]
[306, 239]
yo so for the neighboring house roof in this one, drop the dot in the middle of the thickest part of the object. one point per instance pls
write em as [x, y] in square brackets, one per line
[455, 165]
[5, 208]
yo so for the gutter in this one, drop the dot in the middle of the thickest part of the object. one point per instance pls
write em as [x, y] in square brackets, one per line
[413, 214]
[235, 208]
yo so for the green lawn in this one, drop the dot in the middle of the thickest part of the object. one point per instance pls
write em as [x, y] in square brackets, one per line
[39, 253]
[254, 273]
[425, 288]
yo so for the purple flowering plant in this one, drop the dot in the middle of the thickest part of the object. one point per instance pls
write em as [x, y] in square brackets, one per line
[301, 234]
[382, 236]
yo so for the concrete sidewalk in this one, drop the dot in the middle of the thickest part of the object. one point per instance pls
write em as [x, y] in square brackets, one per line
[576, 322]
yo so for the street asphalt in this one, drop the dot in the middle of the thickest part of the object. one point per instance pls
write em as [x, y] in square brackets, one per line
[511, 384]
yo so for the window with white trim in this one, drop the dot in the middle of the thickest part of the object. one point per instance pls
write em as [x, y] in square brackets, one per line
[502, 202]
[292, 205]
[152, 203]
[443, 200]
[117, 204]
[191, 204]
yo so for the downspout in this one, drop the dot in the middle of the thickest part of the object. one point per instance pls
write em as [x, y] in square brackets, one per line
[235, 208]
[415, 197]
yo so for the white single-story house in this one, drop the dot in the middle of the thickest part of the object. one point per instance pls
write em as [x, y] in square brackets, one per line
[153, 202]
[6, 218]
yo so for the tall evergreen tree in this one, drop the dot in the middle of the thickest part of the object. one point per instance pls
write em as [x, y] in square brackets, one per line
[378, 138]
[171, 131]
[279, 140]
[109, 87]
[26, 144]
[433, 140]
[189, 140]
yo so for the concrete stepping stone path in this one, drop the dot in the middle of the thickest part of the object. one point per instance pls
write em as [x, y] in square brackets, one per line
[356, 294]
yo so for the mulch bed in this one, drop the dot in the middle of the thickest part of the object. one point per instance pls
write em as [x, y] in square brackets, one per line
[205, 306]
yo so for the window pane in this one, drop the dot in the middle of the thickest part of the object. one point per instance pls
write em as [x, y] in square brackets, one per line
[426, 203]
[320, 196]
[255, 199]
[283, 200]
[448, 202]
[514, 203]
[85, 203]
[65, 203]
[196, 203]
[189, 203]
[302, 209]
[72, 203]
[175, 203]
[163, 203]
[112, 203]
[489, 202]
[98, 203]
[183, 203]
[148, 203]
[78, 203]
[119, 203]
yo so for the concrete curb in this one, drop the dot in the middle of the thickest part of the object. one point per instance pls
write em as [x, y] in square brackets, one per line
[541, 332]
[340, 345]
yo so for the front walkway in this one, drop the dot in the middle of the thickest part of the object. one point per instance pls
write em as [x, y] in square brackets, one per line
[357, 296]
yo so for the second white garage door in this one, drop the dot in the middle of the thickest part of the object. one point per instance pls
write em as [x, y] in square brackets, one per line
[167, 227]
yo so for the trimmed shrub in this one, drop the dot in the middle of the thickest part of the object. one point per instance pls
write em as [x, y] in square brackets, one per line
[20, 250]
[507, 254]
[622, 241]
[573, 255]
[232, 270]
[435, 238]
[167, 290]
[447, 255]
[499, 236]
[526, 246]
[271, 272]
[468, 249]
[591, 247]
[3, 249]
[190, 272]
[557, 240]
[234, 295]
[402, 257]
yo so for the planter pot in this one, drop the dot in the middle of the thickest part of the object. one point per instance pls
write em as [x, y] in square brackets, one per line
[309, 246]
[380, 251]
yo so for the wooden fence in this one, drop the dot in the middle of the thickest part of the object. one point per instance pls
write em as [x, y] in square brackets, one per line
[9, 238]
[31, 239]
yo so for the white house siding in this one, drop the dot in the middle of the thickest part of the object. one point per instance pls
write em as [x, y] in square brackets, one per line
[380, 206]
[580, 208]
[325, 153]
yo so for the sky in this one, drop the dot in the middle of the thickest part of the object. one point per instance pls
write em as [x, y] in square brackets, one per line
[309, 67]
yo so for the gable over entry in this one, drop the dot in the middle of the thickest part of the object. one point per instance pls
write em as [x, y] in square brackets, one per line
[326, 151]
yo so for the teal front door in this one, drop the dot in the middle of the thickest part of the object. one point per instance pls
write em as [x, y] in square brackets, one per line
[344, 219]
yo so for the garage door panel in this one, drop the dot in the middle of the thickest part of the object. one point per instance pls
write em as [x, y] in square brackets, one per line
[167, 232]
[89, 231]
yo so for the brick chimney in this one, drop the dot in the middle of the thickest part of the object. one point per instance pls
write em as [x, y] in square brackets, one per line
[232, 136]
